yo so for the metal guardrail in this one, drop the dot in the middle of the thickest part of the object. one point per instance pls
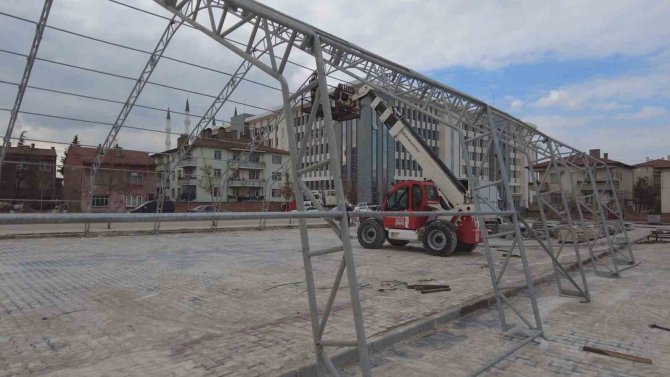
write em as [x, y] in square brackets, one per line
[70, 218]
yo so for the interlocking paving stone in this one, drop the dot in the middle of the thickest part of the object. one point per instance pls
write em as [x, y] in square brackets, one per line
[616, 320]
[207, 304]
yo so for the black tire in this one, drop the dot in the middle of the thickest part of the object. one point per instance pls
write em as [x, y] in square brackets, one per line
[397, 242]
[439, 238]
[466, 247]
[371, 234]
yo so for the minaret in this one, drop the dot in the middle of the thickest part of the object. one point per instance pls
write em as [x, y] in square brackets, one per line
[168, 131]
[187, 119]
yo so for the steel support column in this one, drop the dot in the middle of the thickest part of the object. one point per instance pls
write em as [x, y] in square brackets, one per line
[170, 30]
[39, 31]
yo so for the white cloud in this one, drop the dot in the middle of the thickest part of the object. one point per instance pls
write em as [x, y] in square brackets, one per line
[607, 93]
[647, 112]
[435, 34]
[516, 104]
[624, 143]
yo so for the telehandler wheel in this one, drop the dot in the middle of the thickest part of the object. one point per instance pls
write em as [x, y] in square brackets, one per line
[439, 238]
[397, 242]
[371, 234]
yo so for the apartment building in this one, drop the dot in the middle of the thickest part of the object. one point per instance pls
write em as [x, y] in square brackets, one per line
[209, 171]
[29, 176]
[372, 161]
[657, 174]
[576, 184]
[125, 179]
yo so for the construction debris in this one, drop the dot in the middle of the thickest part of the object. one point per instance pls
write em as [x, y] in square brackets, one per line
[392, 285]
[655, 326]
[617, 354]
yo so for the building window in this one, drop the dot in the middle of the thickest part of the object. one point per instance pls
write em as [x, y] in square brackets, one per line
[133, 201]
[217, 155]
[100, 201]
[255, 157]
[276, 193]
[254, 175]
[276, 159]
[135, 178]
[276, 176]
[172, 190]
[217, 172]
[44, 166]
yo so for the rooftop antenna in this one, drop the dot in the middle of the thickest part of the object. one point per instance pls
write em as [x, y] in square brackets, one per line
[168, 131]
[187, 118]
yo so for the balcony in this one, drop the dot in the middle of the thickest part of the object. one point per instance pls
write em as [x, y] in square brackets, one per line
[187, 180]
[260, 165]
[236, 182]
[188, 161]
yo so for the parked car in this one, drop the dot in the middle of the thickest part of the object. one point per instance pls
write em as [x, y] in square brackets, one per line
[307, 209]
[365, 207]
[150, 207]
[204, 208]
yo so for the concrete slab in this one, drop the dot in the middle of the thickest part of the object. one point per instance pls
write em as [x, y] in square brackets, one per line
[205, 304]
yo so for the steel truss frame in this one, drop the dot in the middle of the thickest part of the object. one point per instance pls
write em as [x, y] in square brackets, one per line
[281, 37]
[451, 108]
[170, 31]
[37, 38]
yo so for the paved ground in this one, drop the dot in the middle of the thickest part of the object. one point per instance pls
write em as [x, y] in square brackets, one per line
[222, 304]
[618, 319]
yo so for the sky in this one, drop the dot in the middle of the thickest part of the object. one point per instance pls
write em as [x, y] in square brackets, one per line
[592, 74]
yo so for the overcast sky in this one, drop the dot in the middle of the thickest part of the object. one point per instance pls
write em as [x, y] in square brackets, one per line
[593, 74]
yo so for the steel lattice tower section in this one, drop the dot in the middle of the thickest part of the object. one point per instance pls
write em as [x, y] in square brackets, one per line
[39, 31]
[170, 31]
[499, 131]
[188, 12]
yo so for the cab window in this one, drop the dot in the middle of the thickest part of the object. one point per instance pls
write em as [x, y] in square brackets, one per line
[417, 197]
[398, 201]
[431, 193]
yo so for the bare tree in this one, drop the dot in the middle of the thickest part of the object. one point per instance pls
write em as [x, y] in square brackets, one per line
[645, 196]
[351, 192]
[287, 189]
[209, 181]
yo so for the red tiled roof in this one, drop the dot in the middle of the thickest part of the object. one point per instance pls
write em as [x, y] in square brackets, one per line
[658, 164]
[28, 151]
[579, 161]
[81, 156]
[231, 144]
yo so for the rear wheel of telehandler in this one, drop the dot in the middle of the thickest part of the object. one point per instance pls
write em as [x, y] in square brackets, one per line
[439, 238]
[371, 234]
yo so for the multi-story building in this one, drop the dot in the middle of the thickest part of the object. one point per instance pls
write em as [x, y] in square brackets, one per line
[209, 173]
[125, 179]
[29, 177]
[575, 183]
[372, 161]
[657, 174]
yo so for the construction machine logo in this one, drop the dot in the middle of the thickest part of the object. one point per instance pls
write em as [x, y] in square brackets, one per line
[402, 221]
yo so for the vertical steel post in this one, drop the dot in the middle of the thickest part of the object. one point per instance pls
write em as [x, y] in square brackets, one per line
[335, 167]
[135, 92]
[553, 150]
[39, 31]
[304, 235]
[515, 221]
